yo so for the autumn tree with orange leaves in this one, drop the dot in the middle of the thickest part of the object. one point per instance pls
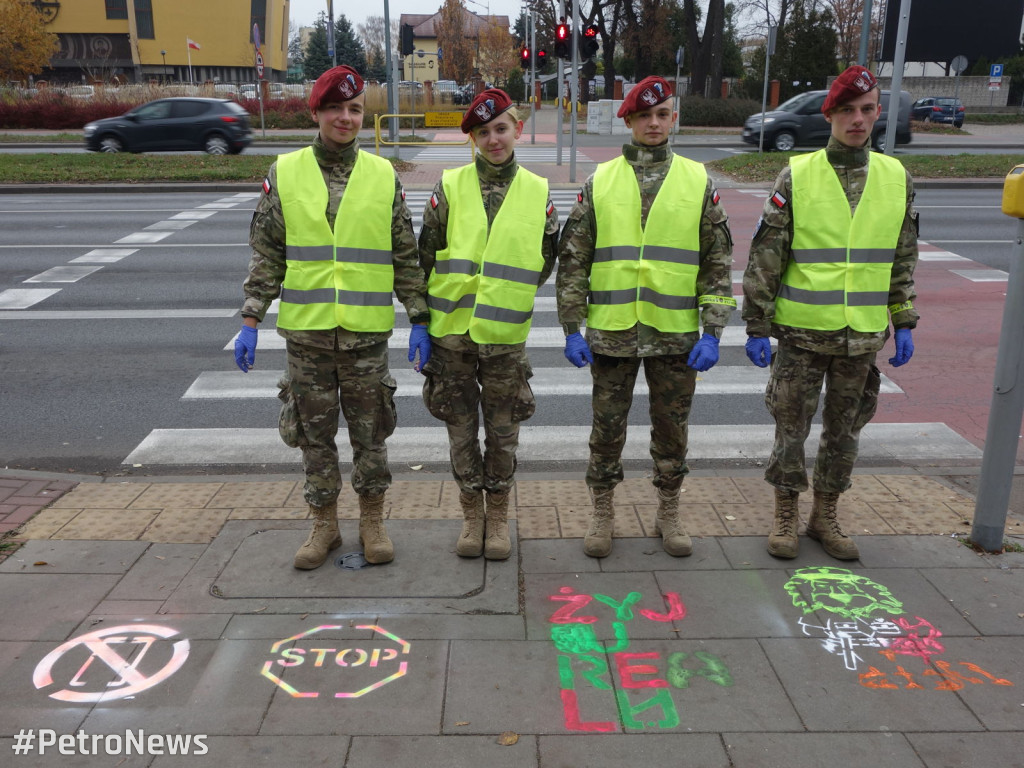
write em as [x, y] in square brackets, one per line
[25, 45]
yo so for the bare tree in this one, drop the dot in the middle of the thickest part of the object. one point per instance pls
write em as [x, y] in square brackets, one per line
[457, 63]
[646, 36]
[705, 50]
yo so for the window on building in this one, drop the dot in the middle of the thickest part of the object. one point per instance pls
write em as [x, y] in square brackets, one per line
[144, 19]
[117, 9]
[258, 15]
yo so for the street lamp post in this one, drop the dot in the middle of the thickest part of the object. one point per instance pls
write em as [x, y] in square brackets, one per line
[163, 55]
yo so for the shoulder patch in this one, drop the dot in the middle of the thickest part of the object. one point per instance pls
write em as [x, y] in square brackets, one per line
[579, 197]
[715, 197]
[433, 201]
[266, 185]
[403, 194]
[550, 208]
[778, 200]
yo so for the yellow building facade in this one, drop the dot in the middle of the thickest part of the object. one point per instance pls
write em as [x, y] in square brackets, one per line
[144, 40]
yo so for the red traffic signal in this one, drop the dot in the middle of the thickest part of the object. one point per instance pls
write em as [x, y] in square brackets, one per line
[589, 44]
[524, 57]
[562, 44]
[542, 58]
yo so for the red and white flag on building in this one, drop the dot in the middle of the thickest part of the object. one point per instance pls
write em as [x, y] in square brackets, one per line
[192, 43]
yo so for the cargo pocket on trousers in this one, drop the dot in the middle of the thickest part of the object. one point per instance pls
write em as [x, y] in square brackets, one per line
[288, 423]
[779, 380]
[869, 401]
[437, 393]
[387, 418]
[524, 404]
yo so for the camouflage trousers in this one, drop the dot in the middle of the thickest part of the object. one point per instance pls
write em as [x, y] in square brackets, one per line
[319, 385]
[459, 386]
[670, 383]
[794, 388]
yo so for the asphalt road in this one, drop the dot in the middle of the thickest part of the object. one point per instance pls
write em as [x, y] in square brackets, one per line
[143, 291]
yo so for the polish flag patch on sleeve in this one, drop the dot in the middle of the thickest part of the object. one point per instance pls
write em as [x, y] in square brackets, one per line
[550, 209]
[403, 194]
[579, 197]
[266, 185]
[433, 201]
[715, 197]
[778, 200]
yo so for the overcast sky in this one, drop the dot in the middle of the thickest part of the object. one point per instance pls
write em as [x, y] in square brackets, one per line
[304, 12]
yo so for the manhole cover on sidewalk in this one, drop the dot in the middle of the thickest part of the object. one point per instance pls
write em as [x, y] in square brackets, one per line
[425, 566]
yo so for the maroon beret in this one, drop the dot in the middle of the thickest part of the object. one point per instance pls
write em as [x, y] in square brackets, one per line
[855, 81]
[648, 93]
[485, 107]
[338, 84]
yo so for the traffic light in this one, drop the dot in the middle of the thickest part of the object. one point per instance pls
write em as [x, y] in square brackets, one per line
[563, 49]
[589, 44]
[524, 57]
[541, 58]
[407, 43]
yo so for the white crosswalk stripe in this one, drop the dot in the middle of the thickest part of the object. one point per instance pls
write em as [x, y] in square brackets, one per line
[417, 200]
[524, 155]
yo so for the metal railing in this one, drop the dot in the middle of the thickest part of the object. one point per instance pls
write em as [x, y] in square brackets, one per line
[380, 141]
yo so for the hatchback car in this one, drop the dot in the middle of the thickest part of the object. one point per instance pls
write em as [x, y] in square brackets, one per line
[216, 126]
[938, 109]
[799, 122]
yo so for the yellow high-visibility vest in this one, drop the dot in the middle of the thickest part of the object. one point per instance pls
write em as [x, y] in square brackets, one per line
[484, 283]
[338, 274]
[646, 274]
[840, 269]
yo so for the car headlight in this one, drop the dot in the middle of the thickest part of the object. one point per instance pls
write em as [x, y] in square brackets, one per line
[89, 130]
[769, 120]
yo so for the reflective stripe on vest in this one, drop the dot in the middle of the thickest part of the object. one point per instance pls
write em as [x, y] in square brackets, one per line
[646, 274]
[341, 275]
[484, 283]
[841, 265]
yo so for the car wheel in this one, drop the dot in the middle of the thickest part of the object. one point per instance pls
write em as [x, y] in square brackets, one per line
[111, 144]
[784, 141]
[217, 145]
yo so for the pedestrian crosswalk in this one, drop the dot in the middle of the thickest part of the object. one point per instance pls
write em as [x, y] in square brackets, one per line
[525, 154]
[418, 199]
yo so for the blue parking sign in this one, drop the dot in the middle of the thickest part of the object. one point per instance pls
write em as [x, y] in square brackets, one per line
[996, 71]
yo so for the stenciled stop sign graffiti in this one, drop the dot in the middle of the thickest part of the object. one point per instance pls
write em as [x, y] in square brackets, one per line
[348, 673]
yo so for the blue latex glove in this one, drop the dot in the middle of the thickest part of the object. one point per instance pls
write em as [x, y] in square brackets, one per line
[577, 351]
[759, 351]
[704, 353]
[245, 348]
[419, 341]
[904, 348]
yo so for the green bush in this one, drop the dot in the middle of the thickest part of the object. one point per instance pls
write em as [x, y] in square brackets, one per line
[696, 110]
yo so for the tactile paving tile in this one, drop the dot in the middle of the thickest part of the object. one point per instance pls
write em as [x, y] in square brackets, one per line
[180, 495]
[46, 523]
[538, 523]
[627, 524]
[186, 526]
[573, 520]
[915, 488]
[868, 488]
[746, 519]
[268, 513]
[697, 519]
[107, 524]
[552, 493]
[707, 490]
[235, 495]
[857, 518]
[101, 495]
[919, 517]
[418, 493]
[755, 490]
[425, 513]
[636, 490]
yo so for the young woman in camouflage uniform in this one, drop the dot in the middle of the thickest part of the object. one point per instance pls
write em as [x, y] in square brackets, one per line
[488, 242]
[645, 259]
[333, 237]
[831, 263]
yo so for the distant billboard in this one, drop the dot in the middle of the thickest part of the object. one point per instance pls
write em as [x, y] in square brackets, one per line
[940, 30]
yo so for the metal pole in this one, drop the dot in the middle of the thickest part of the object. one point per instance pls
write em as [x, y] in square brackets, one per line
[899, 59]
[574, 87]
[769, 48]
[559, 94]
[330, 31]
[391, 63]
[865, 33]
[1004, 419]
[533, 77]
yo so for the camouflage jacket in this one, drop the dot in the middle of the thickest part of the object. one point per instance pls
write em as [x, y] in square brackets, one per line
[576, 254]
[494, 184]
[267, 264]
[770, 251]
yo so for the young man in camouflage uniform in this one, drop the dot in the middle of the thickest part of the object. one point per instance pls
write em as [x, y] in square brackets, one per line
[333, 237]
[645, 258]
[488, 242]
[832, 260]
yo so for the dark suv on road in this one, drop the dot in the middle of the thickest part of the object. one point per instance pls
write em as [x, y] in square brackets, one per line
[799, 122]
[216, 126]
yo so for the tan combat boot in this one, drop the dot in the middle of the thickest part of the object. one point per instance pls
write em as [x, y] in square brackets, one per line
[598, 541]
[322, 539]
[471, 540]
[497, 546]
[377, 547]
[782, 541]
[824, 527]
[673, 537]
